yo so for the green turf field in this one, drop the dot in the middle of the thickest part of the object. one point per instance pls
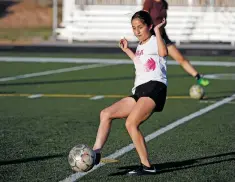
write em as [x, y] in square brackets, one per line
[36, 134]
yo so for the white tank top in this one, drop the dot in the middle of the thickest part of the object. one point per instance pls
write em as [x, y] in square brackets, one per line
[148, 64]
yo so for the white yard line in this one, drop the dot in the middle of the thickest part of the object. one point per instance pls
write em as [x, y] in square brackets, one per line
[212, 101]
[109, 61]
[50, 72]
[122, 151]
[97, 97]
[106, 62]
[63, 60]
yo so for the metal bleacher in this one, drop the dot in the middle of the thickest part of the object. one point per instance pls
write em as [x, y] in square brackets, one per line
[184, 23]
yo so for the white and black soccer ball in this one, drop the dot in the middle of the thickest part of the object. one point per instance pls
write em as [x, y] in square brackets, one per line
[196, 92]
[81, 158]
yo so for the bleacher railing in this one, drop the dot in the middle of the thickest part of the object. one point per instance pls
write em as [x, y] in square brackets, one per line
[213, 3]
[85, 20]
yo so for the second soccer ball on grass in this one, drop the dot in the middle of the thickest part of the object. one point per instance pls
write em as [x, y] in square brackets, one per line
[196, 92]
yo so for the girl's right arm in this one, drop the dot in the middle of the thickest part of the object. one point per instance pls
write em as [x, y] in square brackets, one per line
[123, 44]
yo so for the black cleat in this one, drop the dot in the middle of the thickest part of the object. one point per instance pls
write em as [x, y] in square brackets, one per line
[97, 158]
[143, 170]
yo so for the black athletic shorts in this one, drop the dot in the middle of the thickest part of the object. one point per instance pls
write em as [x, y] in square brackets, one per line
[155, 90]
[166, 38]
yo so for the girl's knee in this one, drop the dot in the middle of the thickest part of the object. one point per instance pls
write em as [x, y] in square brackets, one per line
[131, 125]
[105, 115]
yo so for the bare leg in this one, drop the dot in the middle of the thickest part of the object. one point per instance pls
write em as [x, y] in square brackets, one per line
[141, 111]
[176, 55]
[120, 109]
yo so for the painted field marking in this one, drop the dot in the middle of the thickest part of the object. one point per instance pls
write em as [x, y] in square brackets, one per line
[107, 61]
[35, 96]
[50, 72]
[213, 101]
[106, 160]
[128, 148]
[97, 97]
[92, 97]
[221, 76]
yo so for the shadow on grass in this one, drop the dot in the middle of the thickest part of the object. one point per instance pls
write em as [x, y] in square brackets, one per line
[25, 160]
[222, 95]
[75, 81]
[66, 81]
[7, 92]
[181, 165]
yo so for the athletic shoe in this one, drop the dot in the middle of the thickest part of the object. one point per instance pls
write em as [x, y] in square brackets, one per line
[143, 170]
[203, 82]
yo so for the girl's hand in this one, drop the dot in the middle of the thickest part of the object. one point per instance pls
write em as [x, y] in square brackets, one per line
[162, 24]
[123, 44]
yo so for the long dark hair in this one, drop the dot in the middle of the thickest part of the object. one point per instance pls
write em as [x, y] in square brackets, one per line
[165, 4]
[145, 18]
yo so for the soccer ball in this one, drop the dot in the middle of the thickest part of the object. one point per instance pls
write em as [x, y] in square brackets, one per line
[81, 158]
[196, 92]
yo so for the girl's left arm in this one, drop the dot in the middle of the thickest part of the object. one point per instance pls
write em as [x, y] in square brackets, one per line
[162, 49]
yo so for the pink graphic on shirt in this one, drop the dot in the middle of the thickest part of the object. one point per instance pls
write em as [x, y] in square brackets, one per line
[139, 53]
[150, 65]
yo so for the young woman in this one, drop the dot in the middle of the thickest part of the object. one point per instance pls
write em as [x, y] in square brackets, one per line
[158, 10]
[149, 91]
